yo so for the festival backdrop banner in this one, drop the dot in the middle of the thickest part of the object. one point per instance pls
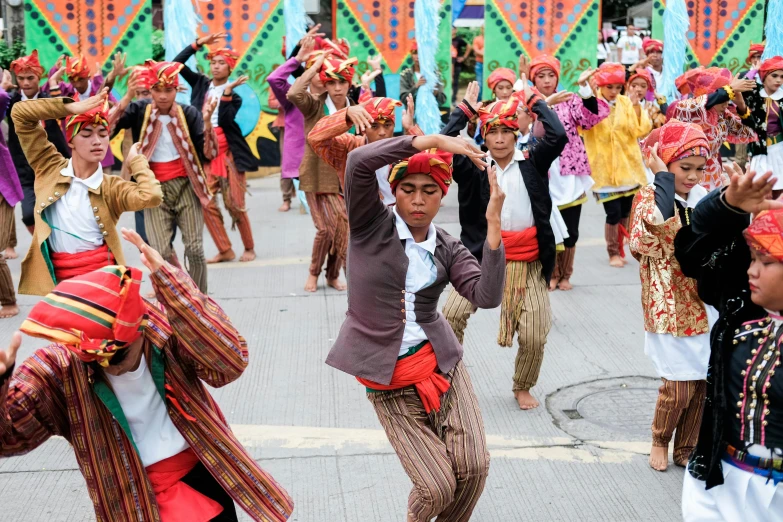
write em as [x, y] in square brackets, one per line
[721, 31]
[566, 29]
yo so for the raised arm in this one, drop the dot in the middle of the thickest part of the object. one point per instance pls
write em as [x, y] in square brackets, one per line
[549, 147]
[299, 95]
[127, 196]
[330, 142]
[278, 82]
[41, 154]
[189, 74]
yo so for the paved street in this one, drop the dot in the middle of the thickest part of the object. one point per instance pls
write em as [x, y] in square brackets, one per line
[580, 457]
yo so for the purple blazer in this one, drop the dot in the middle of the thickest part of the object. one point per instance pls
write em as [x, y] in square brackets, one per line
[574, 115]
[294, 141]
[10, 188]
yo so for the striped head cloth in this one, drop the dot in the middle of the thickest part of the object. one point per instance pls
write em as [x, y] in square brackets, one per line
[381, 109]
[433, 162]
[678, 140]
[76, 67]
[230, 56]
[97, 116]
[29, 63]
[765, 233]
[160, 74]
[499, 113]
[337, 70]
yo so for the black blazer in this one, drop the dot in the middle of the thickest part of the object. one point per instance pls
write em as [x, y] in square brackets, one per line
[199, 85]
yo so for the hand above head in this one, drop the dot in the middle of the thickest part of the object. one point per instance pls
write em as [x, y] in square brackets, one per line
[118, 65]
[313, 32]
[586, 75]
[742, 84]
[80, 107]
[150, 257]
[524, 65]
[59, 62]
[57, 77]
[211, 39]
[374, 62]
[751, 191]
[306, 48]
[133, 151]
[8, 357]
[359, 116]
[457, 145]
[368, 77]
[527, 89]
[408, 112]
[654, 162]
[634, 97]
[559, 97]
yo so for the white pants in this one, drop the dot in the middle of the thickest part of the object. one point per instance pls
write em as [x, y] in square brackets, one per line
[743, 497]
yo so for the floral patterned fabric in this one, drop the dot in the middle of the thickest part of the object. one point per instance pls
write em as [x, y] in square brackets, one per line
[574, 116]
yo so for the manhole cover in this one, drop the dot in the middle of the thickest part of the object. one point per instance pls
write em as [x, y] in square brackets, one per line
[620, 409]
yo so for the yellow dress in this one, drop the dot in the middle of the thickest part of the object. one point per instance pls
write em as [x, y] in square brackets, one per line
[614, 153]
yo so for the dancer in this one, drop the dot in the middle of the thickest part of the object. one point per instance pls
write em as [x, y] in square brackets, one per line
[172, 137]
[231, 155]
[128, 392]
[76, 206]
[411, 79]
[615, 157]
[394, 340]
[713, 89]
[28, 72]
[755, 52]
[676, 322]
[642, 82]
[317, 178]
[570, 175]
[653, 62]
[10, 194]
[735, 469]
[501, 83]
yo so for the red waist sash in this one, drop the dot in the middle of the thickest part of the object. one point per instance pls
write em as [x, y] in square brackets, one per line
[178, 502]
[521, 246]
[218, 164]
[419, 370]
[168, 170]
[67, 265]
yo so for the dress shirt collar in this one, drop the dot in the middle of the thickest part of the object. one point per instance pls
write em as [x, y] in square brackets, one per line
[404, 232]
[777, 95]
[518, 156]
[93, 182]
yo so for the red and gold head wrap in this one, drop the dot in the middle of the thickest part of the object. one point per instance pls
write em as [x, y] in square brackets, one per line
[501, 74]
[541, 62]
[701, 81]
[93, 315]
[75, 123]
[433, 162]
[28, 63]
[765, 233]
[231, 57]
[76, 67]
[755, 49]
[645, 75]
[336, 70]
[160, 74]
[382, 109]
[678, 140]
[650, 45]
[610, 73]
[313, 58]
[771, 64]
[499, 113]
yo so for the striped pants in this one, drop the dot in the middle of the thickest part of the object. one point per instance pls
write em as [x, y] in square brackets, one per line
[7, 232]
[181, 208]
[525, 311]
[457, 311]
[679, 408]
[331, 238]
[233, 188]
[444, 454]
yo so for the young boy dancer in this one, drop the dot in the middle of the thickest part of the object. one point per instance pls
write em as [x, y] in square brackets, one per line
[10, 194]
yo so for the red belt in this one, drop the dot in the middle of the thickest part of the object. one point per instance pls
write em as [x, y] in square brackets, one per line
[67, 265]
[218, 164]
[168, 170]
[521, 246]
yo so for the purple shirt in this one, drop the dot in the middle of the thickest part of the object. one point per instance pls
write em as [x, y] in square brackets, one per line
[773, 122]
[574, 115]
[10, 188]
[294, 143]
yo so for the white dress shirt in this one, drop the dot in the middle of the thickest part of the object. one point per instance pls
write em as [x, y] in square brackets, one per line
[164, 149]
[215, 92]
[74, 228]
[387, 196]
[517, 212]
[331, 108]
[421, 273]
[657, 76]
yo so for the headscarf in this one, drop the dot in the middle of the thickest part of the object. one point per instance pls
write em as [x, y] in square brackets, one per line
[231, 56]
[499, 113]
[610, 73]
[541, 62]
[382, 108]
[765, 233]
[701, 81]
[651, 45]
[755, 49]
[335, 70]
[340, 49]
[97, 116]
[160, 74]
[501, 74]
[28, 63]
[678, 140]
[771, 64]
[93, 315]
[313, 58]
[76, 67]
[645, 75]
[433, 162]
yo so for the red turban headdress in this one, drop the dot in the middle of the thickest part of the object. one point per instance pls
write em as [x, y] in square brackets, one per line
[541, 62]
[755, 49]
[499, 75]
[382, 108]
[414, 46]
[231, 57]
[335, 70]
[610, 73]
[765, 233]
[28, 63]
[771, 64]
[678, 140]
[645, 75]
[76, 67]
[160, 74]
[433, 162]
[340, 49]
[703, 81]
[93, 315]
[97, 116]
[499, 113]
[650, 45]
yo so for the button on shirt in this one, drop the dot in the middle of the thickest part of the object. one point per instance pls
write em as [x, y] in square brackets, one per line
[421, 273]
[164, 149]
[517, 212]
[215, 92]
[73, 223]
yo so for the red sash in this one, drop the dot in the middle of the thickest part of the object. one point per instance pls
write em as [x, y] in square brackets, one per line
[218, 164]
[67, 265]
[178, 502]
[521, 246]
[168, 170]
[419, 370]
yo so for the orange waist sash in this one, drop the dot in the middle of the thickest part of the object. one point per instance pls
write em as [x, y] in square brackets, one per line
[521, 246]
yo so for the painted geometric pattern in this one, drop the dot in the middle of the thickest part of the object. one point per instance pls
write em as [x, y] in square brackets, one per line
[566, 29]
[721, 31]
[94, 28]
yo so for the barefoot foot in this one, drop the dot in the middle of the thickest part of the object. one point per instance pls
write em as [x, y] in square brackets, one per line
[223, 257]
[552, 285]
[9, 311]
[10, 253]
[285, 207]
[525, 400]
[247, 255]
[659, 458]
[625, 260]
[565, 285]
[616, 262]
[336, 284]
[312, 283]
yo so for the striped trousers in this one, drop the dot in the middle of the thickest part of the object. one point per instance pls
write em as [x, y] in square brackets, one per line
[180, 208]
[7, 233]
[678, 409]
[331, 238]
[525, 311]
[457, 311]
[233, 188]
[444, 454]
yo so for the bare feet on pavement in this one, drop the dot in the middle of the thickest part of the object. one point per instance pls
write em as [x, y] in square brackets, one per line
[552, 285]
[659, 458]
[10, 253]
[565, 285]
[223, 257]
[247, 255]
[336, 284]
[312, 283]
[9, 311]
[616, 262]
[285, 207]
[525, 400]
